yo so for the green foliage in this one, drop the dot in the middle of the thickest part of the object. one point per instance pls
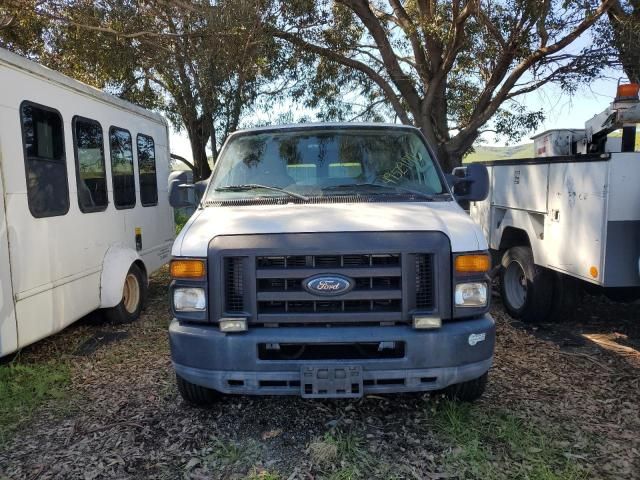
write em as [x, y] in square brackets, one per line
[453, 69]
[23, 387]
[484, 443]
[180, 218]
[22, 33]
[205, 65]
[235, 456]
[262, 475]
[343, 456]
[620, 36]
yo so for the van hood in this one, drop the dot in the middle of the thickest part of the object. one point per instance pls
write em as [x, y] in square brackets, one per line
[446, 217]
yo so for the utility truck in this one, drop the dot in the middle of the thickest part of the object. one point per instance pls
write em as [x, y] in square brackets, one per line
[84, 212]
[330, 260]
[569, 218]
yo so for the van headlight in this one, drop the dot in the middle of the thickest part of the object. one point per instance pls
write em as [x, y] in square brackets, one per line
[189, 299]
[473, 294]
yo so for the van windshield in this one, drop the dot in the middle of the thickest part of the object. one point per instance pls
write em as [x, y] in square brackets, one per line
[326, 162]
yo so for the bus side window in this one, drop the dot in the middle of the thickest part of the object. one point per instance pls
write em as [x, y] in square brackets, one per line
[88, 144]
[44, 160]
[124, 189]
[147, 170]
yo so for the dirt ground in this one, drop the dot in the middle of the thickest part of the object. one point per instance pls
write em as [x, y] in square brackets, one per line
[562, 402]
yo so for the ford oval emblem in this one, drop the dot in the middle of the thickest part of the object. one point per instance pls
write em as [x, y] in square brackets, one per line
[328, 285]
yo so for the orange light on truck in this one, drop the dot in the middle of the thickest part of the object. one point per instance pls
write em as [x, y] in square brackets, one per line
[476, 263]
[188, 268]
[628, 90]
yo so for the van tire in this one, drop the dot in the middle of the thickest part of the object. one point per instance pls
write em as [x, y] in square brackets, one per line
[525, 288]
[133, 297]
[468, 391]
[196, 394]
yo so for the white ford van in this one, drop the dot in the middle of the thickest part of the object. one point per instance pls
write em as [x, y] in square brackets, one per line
[330, 260]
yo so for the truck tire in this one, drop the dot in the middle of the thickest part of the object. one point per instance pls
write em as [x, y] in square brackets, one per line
[468, 391]
[566, 295]
[134, 293]
[525, 288]
[196, 394]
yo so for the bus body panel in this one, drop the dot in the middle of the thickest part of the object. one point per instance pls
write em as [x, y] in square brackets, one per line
[56, 262]
[8, 330]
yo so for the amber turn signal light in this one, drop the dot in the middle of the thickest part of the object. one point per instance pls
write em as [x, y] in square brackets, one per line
[628, 90]
[187, 268]
[478, 263]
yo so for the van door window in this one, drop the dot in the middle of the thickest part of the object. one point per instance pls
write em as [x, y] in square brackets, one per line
[88, 143]
[45, 161]
[147, 170]
[124, 190]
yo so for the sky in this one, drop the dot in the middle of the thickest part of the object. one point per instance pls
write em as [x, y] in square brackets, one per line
[561, 111]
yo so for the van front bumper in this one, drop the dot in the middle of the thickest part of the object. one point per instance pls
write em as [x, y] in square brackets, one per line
[433, 359]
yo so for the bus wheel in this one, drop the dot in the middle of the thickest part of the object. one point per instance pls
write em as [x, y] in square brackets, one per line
[525, 288]
[134, 293]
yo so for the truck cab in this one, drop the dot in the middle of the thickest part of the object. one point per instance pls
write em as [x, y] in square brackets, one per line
[330, 260]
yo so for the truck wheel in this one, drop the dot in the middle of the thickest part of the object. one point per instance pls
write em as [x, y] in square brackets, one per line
[525, 288]
[566, 295]
[196, 394]
[467, 391]
[134, 293]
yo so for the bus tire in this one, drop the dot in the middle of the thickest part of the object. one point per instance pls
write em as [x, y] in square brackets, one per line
[134, 292]
[468, 391]
[196, 394]
[525, 288]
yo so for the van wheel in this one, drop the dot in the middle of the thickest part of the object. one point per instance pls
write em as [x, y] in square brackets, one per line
[134, 292]
[468, 391]
[196, 394]
[525, 288]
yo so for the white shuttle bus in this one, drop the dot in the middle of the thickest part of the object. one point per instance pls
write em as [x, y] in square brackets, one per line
[84, 213]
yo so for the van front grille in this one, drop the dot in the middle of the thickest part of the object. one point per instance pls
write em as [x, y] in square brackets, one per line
[234, 284]
[375, 296]
[424, 281]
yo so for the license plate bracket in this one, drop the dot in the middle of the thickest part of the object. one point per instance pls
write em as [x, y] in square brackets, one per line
[332, 381]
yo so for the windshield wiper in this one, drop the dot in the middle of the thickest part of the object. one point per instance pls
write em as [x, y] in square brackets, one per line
[426, 196]
[257, 186]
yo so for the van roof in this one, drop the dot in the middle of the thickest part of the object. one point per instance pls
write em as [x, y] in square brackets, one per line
[20, 63]
[325, 125]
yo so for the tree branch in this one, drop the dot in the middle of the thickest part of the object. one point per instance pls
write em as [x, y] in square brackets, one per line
[401, 80]
[349, 62]
[482, 116]
[411, 32]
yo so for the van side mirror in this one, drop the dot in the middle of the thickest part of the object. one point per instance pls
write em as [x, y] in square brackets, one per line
[470, 183]
[182, 194]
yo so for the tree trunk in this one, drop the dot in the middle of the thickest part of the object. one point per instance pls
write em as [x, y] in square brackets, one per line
[198, 138]
[448, 161]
